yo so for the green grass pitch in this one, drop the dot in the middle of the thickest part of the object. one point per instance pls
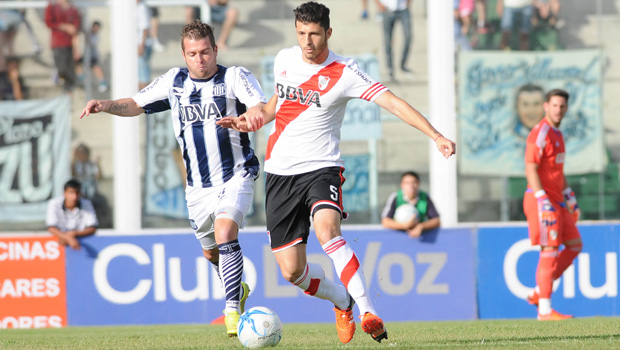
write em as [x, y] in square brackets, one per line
[581, 333]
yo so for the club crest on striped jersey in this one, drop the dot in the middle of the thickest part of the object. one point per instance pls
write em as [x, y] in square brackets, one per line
[219, 89]
[323, 82]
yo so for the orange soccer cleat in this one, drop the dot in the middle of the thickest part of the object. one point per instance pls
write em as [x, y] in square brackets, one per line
[345, 323]
[533, 297]
[553, 316]
[373, 325]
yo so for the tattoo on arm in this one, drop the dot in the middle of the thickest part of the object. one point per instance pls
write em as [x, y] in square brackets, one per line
[119, 108]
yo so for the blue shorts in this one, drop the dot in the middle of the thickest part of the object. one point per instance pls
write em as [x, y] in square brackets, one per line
[509, 14]
[218, 13]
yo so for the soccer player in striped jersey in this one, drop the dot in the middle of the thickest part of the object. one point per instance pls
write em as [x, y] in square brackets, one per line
[220, 163]
[550, 204]
[305, 171]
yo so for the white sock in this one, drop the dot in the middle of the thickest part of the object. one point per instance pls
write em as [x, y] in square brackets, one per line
[350, 272]
[314, 283]
[544, 306]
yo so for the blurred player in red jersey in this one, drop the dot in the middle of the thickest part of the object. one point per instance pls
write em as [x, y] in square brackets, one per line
[549, 203]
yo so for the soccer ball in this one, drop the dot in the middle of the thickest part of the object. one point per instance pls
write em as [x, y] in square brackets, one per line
[259, 327]
[406, 212]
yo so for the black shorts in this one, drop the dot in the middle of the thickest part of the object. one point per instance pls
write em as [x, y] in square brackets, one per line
[291, 201]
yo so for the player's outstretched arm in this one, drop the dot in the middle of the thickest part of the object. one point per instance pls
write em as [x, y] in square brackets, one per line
[411, 116]
[124, 107]
[253, 119]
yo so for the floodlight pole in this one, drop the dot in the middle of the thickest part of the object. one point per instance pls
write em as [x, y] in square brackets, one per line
[442, 107]
[126, 137]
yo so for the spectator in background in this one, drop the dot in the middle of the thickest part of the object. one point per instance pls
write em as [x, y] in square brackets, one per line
[221, 13]
[546, 13]
[461, 41]
[88, 172]
[92, 43]
[145, 49]
[423, 218]
[9, 20]
[392, 12]
[11, 83]
[85, 170]
[529, 106]
[509, 11]
[157, 46]
[70, 216]
[65, 22]
[364, 9]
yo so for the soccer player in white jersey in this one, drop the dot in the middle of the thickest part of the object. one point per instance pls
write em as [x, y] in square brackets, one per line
[304, 168]
[220, 163]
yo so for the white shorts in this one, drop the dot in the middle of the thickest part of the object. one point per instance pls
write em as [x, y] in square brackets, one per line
[231, 200]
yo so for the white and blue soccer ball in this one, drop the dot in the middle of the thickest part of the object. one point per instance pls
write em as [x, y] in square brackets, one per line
[259, 327]
[406, 212]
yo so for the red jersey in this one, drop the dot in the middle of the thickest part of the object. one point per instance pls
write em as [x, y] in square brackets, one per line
[56, 15]
[545, 147]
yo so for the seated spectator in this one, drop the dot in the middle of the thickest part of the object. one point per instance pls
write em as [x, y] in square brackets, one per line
[546, 12]
[510, 11]
[423, 218]
[70, 216]
[11, 83]
[221, 13]
[545, 23]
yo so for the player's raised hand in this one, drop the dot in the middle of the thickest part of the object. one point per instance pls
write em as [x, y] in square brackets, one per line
[93, 106]
[445, 146]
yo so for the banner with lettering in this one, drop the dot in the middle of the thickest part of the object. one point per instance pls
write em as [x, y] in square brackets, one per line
[34, 156]
[362, 119]
[32, 283]
[501, 97]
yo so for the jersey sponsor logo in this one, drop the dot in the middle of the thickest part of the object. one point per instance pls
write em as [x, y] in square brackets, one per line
[219, 89]
[195, 112]
[246, 82]
[150, 86]
[323, 82]
[297, 94]
[559, 158]
[360, 74]
[283, 74]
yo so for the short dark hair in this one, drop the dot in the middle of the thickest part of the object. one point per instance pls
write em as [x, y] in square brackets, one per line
[74, 184]
[410, 173]
[312, 12]
[197, 30]
[556, 92]
[97, 23]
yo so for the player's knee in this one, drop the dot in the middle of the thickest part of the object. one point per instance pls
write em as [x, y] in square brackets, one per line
[290, 273]
[213, 254]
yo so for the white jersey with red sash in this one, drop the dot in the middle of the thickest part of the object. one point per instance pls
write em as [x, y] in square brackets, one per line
[310, 110]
